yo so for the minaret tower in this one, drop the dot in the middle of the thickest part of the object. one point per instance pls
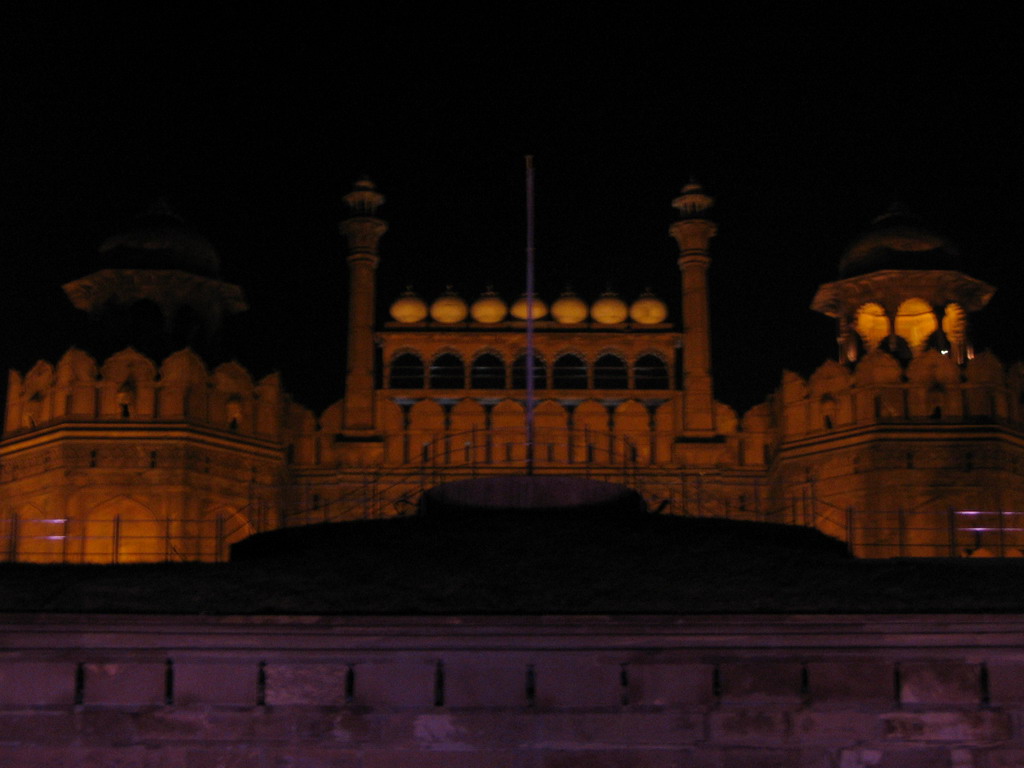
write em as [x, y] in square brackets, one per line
[363, 231]
[693, 233]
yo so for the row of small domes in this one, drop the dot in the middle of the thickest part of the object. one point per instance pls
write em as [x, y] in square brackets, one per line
[568, 308]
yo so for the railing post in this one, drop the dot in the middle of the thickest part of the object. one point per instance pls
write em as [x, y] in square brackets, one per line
[1002, 533]
[849, 529]
[64, 540]
[12, 539]
[117, 538]
[219, 556]
[951, 526]
[901, 532]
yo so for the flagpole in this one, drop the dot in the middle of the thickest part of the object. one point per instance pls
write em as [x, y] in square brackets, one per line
[529, 315]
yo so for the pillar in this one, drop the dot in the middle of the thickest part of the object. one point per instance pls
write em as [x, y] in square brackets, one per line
[363, 231]
[693, 233]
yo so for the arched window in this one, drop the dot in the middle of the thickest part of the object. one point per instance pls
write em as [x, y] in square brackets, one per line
[872, 324]
[915, 322]
[570, 372]
[540, 374]
[488, 372]
[610, 373]
[447, 372]
[406, 372]
[650, 372]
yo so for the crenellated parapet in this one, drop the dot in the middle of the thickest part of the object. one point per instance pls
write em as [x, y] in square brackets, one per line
[932, 388]
[129, 387]
[127, 460]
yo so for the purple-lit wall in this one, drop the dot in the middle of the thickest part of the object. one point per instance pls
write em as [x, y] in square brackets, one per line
[555, 692]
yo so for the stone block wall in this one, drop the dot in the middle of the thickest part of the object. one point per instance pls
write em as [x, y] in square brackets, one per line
[556, 692]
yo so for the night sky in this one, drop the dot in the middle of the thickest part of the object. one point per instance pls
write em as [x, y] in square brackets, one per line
[253, 128]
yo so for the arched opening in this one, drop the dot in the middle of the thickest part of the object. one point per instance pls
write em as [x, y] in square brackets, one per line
[488, 372]
[569, 372]
[871, 324]
[650, 372]
[954, 327]
[915, 322]
[540, 375]
[610, 372]
[124, 531]
[406, 372]
[447, 372]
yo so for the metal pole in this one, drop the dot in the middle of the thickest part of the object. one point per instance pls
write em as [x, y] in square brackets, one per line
[529, 315]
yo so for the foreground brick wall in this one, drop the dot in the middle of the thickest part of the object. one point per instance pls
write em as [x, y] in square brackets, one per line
[662, 692]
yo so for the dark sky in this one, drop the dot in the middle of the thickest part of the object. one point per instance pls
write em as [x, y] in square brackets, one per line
[254, 128]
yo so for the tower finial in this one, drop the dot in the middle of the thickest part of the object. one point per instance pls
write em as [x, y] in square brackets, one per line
[693, 202]
[364, 197]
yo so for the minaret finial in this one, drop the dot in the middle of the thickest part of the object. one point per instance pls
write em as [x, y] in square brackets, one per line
[364, 197]
[693, 202]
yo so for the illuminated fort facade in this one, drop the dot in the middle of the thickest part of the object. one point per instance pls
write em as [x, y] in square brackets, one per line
[908, 443]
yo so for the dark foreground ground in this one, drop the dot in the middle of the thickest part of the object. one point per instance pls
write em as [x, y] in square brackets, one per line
[523, 564]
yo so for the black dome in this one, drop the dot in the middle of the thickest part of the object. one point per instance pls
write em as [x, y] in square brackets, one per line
[897, 240]
[159, 239]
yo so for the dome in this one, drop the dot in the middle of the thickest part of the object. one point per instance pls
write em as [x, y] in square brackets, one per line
[648, 309]
[609, 309]
[540, 309]
[159, 239]
[897, 240]
[489, 308]
[569, 308]
[448, 308]
[409, 308]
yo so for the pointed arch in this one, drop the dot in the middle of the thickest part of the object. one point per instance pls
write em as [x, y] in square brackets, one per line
[915, 323]
[509, 432]
[488, 371]
[551, 423]
[467, 415]
[222, 525]
[633, 433]
[569, 371]
[871, 324]
[540, 374]
[650, 371]
[447, 371]
[610, 371]
[406, 371]
[123, 530]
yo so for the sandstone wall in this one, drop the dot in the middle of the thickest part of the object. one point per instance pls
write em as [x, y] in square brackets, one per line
[691, 692]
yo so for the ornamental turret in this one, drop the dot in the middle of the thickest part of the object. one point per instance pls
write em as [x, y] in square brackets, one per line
[157, 289]
[901, 291]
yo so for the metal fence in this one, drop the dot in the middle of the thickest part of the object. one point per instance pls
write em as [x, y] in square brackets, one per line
[120, 539]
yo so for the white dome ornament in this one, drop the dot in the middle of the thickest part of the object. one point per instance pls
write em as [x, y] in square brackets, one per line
[609, 309]
[488, 308]
[449, 308]
[408, 308]
[648, 309]
[569, 308]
